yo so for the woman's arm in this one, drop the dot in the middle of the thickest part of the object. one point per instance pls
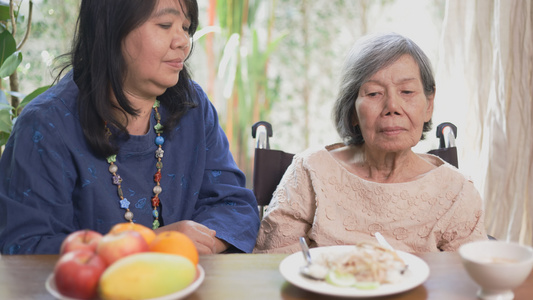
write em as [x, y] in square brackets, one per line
[466, 223]
[224, 204]
[36, 211]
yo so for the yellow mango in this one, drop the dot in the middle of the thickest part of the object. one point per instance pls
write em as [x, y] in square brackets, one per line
[146, 275]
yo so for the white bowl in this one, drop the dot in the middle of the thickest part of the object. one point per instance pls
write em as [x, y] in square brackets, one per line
[497, 266]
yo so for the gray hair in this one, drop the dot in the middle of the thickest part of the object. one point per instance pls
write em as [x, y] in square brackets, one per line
[366, 57]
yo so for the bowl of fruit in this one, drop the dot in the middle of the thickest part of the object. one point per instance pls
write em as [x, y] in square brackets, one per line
[131, 261]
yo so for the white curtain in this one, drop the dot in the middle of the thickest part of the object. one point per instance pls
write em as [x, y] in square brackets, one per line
[485, 82]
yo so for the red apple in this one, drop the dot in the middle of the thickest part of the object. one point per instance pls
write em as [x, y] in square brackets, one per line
[116, 245]
[77, 273]
[81, 239]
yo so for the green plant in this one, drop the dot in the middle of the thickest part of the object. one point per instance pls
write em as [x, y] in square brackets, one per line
[10, 59]
[247, 90]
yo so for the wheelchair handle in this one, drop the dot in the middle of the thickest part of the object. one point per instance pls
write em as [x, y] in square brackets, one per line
[447, 133]
[261, 131]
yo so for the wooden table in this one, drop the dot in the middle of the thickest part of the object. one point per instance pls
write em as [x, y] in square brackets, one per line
[252, 276]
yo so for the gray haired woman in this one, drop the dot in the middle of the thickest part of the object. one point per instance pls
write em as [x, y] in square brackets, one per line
[374, 182]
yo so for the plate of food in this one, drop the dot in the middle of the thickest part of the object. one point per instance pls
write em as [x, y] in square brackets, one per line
[357, 271]
[181, 294]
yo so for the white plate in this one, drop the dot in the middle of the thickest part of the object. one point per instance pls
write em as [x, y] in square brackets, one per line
[51, 287]
[415, 275]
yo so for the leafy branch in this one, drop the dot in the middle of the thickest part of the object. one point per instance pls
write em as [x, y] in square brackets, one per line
[10, 59]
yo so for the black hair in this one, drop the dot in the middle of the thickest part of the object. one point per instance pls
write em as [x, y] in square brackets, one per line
[99, 67]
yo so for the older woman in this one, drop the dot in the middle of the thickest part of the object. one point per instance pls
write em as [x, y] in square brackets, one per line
[126, 136]
[374, 182]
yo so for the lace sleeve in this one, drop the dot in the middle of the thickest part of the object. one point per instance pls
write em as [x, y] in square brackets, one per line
[466, 222]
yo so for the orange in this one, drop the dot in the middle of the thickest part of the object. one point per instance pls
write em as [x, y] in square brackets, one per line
[174, 242]
[147, 233]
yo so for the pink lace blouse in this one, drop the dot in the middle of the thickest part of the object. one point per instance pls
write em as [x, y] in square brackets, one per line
[322, 201]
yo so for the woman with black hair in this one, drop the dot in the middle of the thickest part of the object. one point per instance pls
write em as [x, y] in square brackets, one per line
[126, 135]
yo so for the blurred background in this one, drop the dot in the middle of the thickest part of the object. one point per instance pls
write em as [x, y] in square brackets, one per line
[271, 60]
[279, 61]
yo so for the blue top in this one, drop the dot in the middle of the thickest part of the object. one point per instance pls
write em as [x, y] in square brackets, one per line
[52, 184]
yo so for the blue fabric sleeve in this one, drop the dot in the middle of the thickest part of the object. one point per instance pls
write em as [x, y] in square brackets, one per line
[35, 212]
[224, 203]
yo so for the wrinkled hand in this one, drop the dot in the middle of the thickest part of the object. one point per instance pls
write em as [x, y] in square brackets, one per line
[204, 238]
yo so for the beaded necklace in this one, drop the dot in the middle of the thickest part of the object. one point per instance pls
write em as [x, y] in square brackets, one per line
[117, 180]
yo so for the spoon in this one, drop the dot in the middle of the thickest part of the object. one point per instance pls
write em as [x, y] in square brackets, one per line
[310, 270]
[383, 242]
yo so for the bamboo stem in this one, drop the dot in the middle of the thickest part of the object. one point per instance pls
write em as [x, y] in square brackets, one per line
[210, 51]
[13, 21]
